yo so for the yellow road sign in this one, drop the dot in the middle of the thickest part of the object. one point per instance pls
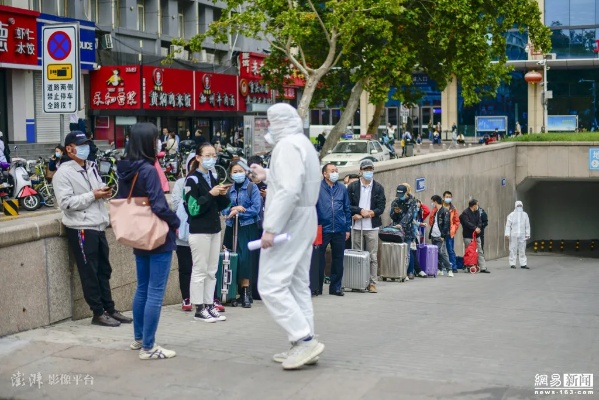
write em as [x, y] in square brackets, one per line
[60, 72]
[11, 207]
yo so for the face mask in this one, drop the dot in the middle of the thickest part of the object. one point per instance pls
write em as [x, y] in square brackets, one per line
[334, 176]
[269, 139]
[238, 177]
[208, 163]
[368, 175]
[58, 154]
[448, 200]
[158, 146]
[83, 152]
[402, 197]
[519, 209]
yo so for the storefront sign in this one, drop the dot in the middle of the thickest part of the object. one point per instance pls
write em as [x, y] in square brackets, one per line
[167, 88]
[87, 38]
[18, 37]
[116, 88]
[594, 159]
[215, 92]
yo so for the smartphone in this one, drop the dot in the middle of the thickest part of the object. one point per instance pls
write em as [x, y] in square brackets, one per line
[227, 185]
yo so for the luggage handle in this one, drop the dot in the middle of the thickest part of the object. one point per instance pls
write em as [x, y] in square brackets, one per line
[235, 233]
[361, 236]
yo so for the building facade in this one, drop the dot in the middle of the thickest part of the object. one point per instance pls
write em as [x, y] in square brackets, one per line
[133, 37]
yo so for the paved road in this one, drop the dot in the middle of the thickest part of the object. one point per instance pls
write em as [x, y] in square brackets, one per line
[470, 337]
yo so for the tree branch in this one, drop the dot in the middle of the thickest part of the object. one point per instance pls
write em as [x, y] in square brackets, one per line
[322, 25]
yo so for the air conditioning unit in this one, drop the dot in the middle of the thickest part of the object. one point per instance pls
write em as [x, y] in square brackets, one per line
[551, 56]
[206, 57]
[210, 58]
[177, 52]
[106, 41]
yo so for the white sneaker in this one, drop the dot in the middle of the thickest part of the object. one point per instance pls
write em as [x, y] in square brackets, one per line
[440, 272]
[157, 353]
[422, 274]
[280, 357]
[302, 352]
[135, 345]
[215, 314]
[450, 274]
[407, 279]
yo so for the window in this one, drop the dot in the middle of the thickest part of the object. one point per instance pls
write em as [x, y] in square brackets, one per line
[378, 147]
[35, 5]
[141, 16]
[92, 10]
[181, 27]
[62, 8]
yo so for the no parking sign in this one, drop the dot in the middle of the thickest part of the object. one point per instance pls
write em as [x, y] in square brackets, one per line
[61, 71]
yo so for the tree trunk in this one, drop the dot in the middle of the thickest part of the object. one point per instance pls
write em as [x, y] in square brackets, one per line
[346, 118]
[376, 119]
[303, 108]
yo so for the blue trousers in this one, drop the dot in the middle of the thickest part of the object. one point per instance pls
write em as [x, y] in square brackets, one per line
[152, 276]
[337, 242]
[449, 243]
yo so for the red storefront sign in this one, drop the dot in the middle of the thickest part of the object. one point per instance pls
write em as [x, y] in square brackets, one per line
[216, 92]
[116, 88]
[167, 88]
[18, 37]
[251, 87]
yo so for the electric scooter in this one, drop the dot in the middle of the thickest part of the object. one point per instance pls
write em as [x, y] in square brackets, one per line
[22, 188]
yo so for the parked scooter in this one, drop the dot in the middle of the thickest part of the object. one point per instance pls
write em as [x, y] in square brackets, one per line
[22, 187]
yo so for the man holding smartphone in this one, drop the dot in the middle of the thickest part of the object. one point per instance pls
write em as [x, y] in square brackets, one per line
[81, 194]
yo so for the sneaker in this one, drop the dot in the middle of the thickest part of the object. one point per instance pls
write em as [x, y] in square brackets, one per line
[156, 353]
[408, 278]
[422, 274]
[186, 305]
[135, 345]
[105, 320]
[485, 271]
[450, 274]
[523, 267]
[513, 266]
[218, 305]
[372, 288]
[440, 272]
[280, 357]
[215, 314]
[411, 276]
[302, 352]
[202, 314]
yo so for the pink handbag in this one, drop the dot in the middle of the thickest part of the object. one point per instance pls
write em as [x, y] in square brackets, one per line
[162, 176]
[134, 224]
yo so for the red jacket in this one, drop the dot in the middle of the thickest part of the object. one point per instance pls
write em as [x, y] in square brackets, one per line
[454, 219]
[425, 211]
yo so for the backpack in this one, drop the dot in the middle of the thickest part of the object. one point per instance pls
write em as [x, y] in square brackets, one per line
[192, 207]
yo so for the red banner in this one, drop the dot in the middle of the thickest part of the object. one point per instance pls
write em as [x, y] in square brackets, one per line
[116, 88]
[167, 88]
[18, 36]
[216, 92]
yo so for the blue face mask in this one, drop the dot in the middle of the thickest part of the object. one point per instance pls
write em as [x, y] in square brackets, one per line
[448, 200]
[368, 175]
[334, 176]
[83, 151]
[238, 177]
[402, 197]
[208, 163]
[58, 154]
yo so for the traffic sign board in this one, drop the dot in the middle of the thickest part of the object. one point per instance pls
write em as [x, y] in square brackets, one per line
[61, 70]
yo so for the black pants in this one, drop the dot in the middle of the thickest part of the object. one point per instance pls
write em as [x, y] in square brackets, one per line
[90, 250]
[185, 264]
[337, 242]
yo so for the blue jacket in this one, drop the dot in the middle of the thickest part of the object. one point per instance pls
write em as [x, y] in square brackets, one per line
[148, 185]
[252, 204]
[333, 208]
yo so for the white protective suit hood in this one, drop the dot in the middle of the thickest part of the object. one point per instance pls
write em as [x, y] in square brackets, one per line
[518, 203]
[518, 224]
[284, 121]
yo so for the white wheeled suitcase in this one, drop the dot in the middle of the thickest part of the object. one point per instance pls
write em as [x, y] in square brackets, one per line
[393, 261]
[356, 269]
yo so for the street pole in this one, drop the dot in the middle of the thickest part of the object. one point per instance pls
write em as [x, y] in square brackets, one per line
[545, 97]
[61, 128]
[594, 106]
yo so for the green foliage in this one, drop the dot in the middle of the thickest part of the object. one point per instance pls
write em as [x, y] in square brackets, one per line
[557, 137]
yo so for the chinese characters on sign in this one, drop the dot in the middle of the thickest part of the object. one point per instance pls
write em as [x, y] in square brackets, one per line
[115, 88]
[168, 93]
[594, 159]
[18, 36]
[216, 92]
[60, 66]
[19, 379]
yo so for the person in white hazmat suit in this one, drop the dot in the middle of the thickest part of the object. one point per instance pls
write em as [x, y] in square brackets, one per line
[283, 280]
[517, 230]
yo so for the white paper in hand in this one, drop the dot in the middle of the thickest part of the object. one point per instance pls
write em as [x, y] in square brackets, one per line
[256, 244]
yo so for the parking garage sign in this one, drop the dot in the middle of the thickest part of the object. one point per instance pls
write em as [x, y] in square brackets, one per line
[61, 71]
[594, 159]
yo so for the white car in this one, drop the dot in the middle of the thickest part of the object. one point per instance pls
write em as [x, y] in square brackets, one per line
[349, 153]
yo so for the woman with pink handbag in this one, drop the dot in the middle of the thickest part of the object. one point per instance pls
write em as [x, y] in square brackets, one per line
[139, 184]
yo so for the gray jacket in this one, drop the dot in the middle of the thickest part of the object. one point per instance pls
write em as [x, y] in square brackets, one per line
[74, 188]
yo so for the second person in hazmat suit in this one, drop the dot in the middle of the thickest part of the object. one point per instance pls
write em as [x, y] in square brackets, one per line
[517, 230]
[284, 275]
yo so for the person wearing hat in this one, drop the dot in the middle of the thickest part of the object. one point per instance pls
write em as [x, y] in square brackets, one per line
[404, 211]
[517, 231]
[80, 194]
[367, 204]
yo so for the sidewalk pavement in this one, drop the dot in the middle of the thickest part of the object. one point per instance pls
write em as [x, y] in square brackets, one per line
[483, 336]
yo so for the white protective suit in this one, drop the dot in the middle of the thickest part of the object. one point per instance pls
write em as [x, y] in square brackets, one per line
[517, 229]
[293, 186]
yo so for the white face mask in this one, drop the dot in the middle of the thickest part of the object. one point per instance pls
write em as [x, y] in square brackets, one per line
[269, 139]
